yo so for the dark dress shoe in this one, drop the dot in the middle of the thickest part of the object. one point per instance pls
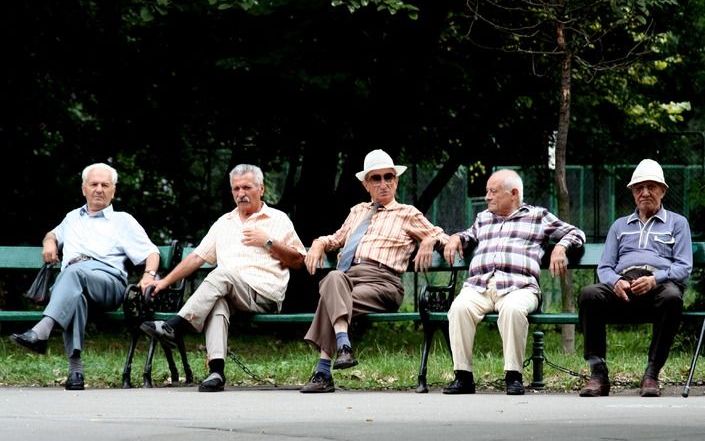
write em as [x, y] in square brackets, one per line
[75, 381]
[319, 383]
[459, 386]
[160, 330]
[345, 358]
[213, 383]
[30, 341]
[598, 386]
[649, 388]
[514, 387]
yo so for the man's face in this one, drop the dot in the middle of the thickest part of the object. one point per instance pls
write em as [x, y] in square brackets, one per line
[381, 185]
[247, 194]
[98, 189]
[648, 196]
[500, 201]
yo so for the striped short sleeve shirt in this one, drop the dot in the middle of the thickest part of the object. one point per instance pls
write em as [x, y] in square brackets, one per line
[391, 237]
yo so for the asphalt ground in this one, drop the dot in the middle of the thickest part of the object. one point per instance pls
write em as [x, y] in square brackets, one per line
[182, 413]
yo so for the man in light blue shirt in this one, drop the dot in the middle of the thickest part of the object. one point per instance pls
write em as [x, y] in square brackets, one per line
[95, 241]
[643, 271]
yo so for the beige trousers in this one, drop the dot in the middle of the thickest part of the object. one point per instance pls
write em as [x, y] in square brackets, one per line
[209, 307]
[470, 307]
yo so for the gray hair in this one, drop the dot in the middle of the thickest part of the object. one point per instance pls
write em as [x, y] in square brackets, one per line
[512, 180]
[102, 166]
[243, 169]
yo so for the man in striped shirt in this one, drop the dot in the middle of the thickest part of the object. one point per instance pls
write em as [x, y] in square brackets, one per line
[377, 240]
[643, 271]
[253, 246]
[503, 276]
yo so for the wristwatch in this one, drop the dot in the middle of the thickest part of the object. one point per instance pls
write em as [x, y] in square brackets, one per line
[151, 273]
[268, 245]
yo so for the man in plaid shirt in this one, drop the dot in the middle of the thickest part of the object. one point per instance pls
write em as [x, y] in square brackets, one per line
[503, 276]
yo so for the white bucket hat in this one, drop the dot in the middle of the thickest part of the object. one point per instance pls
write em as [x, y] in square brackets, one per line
[377, 160]
[647, 170]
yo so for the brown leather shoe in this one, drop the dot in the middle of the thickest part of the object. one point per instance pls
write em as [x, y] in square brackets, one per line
[318, 383]
[649, 388]
[597, 386]
[345, 358]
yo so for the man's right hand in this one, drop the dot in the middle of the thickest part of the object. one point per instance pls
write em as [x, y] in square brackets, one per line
[158, 286]
[314, 257]
[454, 245]
[50, 251]
[622, 289]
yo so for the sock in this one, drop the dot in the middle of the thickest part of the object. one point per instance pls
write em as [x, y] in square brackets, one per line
[43, 327]
[651, 372]
[594, 360]
[464, 376]
[341, 339]
[178, 323]
[75, 362]
[217, 365]
[510, 376]
[323, 366]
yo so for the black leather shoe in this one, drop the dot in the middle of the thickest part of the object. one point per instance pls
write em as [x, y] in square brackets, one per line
[30, 341]
[345, 358]
[161, 330]
[515, 387]
[319, 383]
[514, 383]
[459, 386]
[75, 381]
[213, 383]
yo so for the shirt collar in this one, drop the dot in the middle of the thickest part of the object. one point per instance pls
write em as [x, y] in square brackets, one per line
[390, 206]
[106, 212]
[660, 215]
[263, 211]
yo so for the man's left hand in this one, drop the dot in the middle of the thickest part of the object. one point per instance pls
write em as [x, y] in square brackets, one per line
[643, 284]
[559, 261]
[424, 256]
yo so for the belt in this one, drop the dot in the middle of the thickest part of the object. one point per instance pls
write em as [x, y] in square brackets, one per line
[79, 258]
[634, 272]
[361, 261]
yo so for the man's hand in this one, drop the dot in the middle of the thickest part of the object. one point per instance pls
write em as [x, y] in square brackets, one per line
[158, 284]
[454, 245]
[559, 261]
[314, 257]
[424, 256]
[643, 284]
[50, 250]
[622, 289]
[254, 237]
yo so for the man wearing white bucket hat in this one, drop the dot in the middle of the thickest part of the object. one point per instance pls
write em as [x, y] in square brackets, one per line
[644, 267]
[376, 242]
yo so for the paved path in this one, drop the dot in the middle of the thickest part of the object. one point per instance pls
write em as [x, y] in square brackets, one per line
[175, 414]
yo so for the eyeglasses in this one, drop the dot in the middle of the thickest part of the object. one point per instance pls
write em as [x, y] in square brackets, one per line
[377, 179]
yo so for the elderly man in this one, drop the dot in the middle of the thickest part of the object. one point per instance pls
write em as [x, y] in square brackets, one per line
[503, 276]
[253, 246]
[643, 270]
[377, 240]
[95, 241]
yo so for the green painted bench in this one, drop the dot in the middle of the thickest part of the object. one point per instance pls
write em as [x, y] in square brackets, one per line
[29, 258]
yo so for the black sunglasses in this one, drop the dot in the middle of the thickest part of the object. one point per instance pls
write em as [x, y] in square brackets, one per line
[388, 177]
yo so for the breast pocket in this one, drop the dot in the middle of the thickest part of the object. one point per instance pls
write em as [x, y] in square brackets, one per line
[664, 244]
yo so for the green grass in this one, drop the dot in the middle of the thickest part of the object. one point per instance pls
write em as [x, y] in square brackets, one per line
[389, 355]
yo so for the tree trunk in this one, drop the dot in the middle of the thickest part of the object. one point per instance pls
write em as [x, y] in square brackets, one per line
[568, 331]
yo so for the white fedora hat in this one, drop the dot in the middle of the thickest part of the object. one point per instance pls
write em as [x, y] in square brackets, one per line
[647, 170]
[378, 160]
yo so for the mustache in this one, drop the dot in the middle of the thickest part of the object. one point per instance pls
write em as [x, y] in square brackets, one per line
[243, 199]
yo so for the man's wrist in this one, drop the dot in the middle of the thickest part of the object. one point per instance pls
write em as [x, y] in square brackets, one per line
[151, 273]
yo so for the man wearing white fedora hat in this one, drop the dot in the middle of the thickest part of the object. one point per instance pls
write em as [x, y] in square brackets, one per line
[376, 242]
[643, 270]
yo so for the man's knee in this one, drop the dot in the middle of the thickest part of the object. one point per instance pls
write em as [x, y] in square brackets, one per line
[588, 295]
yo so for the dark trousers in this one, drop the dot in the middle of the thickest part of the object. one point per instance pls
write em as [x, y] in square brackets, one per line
[599, 305]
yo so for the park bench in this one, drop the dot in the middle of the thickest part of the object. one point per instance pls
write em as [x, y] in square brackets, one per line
[29, 259]
[434, 300]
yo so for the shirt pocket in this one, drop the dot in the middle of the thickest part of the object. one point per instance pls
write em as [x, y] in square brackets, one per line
[664, 243]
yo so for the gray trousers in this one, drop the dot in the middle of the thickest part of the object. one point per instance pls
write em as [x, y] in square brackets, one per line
[89, 280]
[362, 289]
